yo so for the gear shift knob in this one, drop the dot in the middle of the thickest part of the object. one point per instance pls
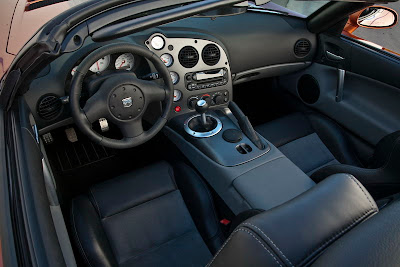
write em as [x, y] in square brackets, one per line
[201, 106]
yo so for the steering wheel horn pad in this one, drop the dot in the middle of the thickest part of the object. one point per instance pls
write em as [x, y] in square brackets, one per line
[122, 99]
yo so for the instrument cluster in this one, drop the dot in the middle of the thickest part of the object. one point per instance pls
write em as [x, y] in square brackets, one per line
[125, 61]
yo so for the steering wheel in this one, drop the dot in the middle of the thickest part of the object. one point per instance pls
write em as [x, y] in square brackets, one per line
[122, 99]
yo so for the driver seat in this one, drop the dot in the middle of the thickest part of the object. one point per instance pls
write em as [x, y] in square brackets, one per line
[141, 219]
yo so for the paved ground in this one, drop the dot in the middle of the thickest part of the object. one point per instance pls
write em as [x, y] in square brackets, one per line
[388, 38]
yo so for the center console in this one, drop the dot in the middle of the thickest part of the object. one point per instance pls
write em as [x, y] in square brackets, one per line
[244, 169]
[244, 175]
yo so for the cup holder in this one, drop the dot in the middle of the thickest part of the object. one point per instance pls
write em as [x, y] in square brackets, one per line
[243, 148]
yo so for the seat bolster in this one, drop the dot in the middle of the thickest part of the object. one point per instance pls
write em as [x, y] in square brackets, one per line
[334, 139]
[295, 233]
[200, 204]
[373, 243]
[89, 235]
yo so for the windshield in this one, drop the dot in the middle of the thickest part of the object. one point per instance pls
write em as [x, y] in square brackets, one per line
[294, 7]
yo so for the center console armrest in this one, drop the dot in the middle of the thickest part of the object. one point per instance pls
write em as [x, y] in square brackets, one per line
[295, 233]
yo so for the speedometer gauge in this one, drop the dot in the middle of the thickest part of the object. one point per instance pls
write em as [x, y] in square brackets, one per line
[101, 64]
[174, 77]
[125, 61]
[167, 59]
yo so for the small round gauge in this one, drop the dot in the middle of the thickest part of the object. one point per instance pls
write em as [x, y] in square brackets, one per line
[73, 71]
[177, 95]
[174, 77]
[101, 64]
[167, 59]
[125, 61]
[157, 42]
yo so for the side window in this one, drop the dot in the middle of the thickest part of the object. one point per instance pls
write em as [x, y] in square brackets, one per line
[376, 26]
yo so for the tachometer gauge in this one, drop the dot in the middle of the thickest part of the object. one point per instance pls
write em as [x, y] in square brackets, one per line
[73, 71]
[174, 77]
[167, 59]
[125, 61]
[101, 64]
[157, 42]
[177, 95]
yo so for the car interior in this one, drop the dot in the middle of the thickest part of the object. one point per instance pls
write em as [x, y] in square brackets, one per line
[236, 137]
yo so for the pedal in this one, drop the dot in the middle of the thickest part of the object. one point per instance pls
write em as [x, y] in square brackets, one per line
[47, 139]
[71, 135]
[104, 125]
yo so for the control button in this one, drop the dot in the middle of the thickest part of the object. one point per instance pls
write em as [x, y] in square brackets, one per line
[218, 99]
[226, 99]
[178, 109]
[188, 77]
[225, 93]
[192, 102]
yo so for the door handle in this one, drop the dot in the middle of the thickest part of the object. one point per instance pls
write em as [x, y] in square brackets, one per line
[332, 56]
[340, 85]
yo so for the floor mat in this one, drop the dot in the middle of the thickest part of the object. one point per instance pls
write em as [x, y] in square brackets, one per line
[78, 165]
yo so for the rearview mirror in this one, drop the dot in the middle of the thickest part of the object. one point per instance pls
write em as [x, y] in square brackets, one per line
[377, 17]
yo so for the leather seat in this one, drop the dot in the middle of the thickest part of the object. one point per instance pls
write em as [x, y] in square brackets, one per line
[318, 146]
[336, 223]
[141, 219]
[310, 141]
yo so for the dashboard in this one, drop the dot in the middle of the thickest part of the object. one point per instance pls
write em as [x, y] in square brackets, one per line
[199, 70]
[205, 57]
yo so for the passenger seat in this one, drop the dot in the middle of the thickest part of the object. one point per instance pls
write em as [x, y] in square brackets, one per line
[310, 141]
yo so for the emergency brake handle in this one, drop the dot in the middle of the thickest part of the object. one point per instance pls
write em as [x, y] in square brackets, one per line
[245, 125]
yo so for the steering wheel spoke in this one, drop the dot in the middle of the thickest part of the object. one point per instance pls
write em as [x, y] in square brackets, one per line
[95, 109]
[132, 128]
[153, 91]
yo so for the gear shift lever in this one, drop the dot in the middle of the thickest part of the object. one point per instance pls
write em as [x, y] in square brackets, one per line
[202, 107]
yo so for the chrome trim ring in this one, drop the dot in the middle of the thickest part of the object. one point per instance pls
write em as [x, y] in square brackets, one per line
[204, 134]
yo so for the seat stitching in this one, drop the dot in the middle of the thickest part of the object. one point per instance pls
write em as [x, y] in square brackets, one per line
[291, 264]
[77, 237]
[366, 214]
[152, 249]
[140, 204]
[244, 230]
[359, 186]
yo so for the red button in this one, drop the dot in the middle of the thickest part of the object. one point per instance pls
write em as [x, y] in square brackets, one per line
[178, 109]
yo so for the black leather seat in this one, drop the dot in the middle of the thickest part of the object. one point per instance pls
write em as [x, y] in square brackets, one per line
[336, 223]
[310, 141]
[318, 146]
[141, 219]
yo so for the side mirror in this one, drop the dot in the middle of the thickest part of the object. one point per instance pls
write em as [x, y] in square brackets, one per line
[377, 17]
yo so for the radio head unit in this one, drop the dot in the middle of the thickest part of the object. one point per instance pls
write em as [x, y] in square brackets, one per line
[206, 79]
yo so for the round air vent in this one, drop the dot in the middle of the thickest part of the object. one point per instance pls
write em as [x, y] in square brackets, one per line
[302, 48]
[188, 57]
[211, 54]
[49, 107]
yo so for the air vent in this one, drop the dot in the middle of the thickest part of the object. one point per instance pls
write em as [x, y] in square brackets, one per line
[302, 48]
[211, 54]
[188, 57]
[49, 107]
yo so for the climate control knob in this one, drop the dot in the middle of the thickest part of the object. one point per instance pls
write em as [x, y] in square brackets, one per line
[218, 99]
[192, 102]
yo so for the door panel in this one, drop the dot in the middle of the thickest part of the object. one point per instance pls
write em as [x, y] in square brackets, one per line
[370, 107]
